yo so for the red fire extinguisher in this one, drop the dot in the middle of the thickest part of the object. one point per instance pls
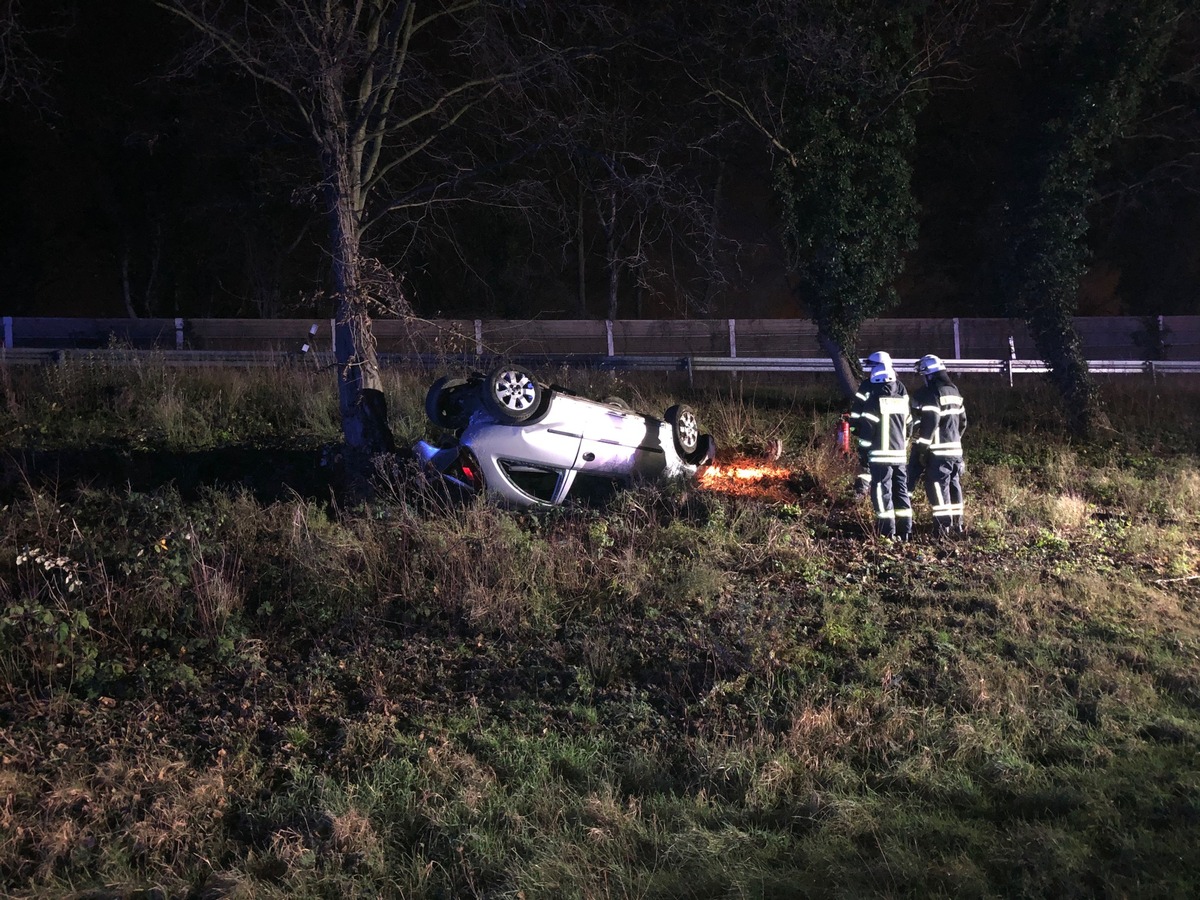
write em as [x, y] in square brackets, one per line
[843, 435]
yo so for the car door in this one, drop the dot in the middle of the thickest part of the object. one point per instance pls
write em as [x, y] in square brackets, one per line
[619, 443]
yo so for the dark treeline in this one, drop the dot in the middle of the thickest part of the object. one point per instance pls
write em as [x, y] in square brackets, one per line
[826, 158]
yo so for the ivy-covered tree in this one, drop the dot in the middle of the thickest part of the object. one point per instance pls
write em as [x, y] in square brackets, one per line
[849, 214]
[1096, 61]
[834, 87]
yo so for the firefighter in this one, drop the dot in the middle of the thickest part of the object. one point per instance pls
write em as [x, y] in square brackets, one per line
[937, 446]
[862, 481]
[883, 427]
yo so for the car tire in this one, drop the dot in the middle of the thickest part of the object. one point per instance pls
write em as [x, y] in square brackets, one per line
[511, 394]
[685, 429]
[443, 403]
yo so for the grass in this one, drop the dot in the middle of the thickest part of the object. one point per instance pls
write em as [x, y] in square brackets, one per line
[216, 682]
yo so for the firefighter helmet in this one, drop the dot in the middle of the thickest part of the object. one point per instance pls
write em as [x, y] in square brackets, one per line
[927, 365]
[880, 357]
[881, 374]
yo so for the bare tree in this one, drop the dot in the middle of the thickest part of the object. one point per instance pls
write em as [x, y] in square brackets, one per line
[637, 173]
[382, 90]
[647, 210]
[24, 73]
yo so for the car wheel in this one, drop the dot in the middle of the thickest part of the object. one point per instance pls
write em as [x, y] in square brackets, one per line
[618, 402]
[443, 403]
[512, 395]
[685, 428]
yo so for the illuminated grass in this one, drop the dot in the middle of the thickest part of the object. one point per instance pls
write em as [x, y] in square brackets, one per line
[680, 694]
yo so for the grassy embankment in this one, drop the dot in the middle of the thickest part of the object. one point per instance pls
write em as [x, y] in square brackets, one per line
[236, 689]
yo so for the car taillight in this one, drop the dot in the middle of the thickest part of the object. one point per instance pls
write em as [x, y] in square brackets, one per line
[470, 469]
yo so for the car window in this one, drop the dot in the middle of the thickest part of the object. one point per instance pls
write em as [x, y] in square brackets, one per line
[538, 482]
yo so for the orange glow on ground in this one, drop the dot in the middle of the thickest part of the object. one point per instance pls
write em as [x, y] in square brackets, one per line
[747, 478]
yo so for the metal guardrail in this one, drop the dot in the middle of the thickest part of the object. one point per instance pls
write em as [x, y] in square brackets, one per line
[787, 364]
[1102, 337]
[689, 364]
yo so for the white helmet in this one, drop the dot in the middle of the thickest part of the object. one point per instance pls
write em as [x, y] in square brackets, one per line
[881, 374]
[880, 356]
[929, 364]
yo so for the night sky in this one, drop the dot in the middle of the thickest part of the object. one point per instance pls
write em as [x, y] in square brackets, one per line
[128, 187]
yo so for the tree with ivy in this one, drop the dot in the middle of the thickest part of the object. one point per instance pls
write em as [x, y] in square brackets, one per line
[834, 87]
[849, 214]
[1098, 59]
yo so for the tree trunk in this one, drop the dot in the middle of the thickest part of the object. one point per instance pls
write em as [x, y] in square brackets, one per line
[360, 388]
[1059, 346]
[581, 257]
[710, 290]
[847, 376]
[361, 400]
[126, 287]
[611, 252]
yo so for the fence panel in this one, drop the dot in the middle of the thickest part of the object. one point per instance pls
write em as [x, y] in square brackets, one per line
[670, 337]
[559, 337]
[54, 332]
[776, 337]
[254, 334]
[988, 339]
[1181, 337]
[907, 337]
[433, 337]
[1112, 337]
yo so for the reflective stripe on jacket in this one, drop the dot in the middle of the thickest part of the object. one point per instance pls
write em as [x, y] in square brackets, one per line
[884, 424]
[942, 417]
[866, 396]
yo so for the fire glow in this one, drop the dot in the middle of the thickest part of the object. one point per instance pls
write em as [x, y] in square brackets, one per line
[748, 479]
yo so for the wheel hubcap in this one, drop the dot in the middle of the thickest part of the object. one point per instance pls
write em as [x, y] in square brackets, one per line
[689, 431]
[514, 391]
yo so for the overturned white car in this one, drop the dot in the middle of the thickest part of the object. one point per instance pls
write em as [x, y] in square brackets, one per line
[532, 444]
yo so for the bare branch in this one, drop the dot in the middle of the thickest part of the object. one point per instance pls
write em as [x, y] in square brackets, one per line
[743, 109]
[241, 53]
[23, 74]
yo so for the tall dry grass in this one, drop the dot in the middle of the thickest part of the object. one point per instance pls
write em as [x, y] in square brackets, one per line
[679, 693]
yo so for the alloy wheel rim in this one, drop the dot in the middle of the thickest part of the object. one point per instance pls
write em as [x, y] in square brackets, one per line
[689, 431]
[514, 391]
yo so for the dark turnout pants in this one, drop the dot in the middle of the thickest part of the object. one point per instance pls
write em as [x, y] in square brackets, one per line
[890, 499]
[943, 487]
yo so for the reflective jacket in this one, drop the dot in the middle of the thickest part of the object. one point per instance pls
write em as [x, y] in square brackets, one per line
[884, 423]
[868, 392]
[941, 416]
